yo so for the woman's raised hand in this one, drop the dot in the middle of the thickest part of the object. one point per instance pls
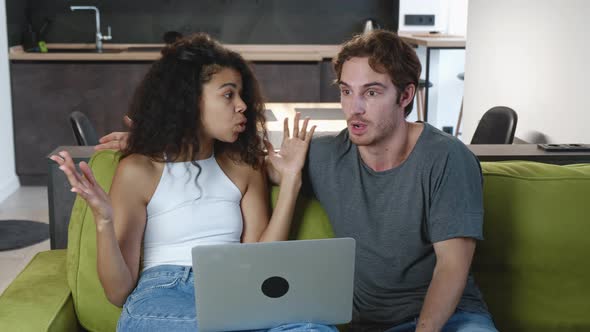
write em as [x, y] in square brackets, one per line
[84, 184]
[290, 159]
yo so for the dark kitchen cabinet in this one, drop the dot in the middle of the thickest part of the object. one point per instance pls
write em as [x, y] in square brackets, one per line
[44, 93]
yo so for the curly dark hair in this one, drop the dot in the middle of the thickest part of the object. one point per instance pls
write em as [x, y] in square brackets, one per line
[387, 53]
[166, 110]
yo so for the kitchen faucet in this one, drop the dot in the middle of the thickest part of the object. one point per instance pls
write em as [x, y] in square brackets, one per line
[99, 35]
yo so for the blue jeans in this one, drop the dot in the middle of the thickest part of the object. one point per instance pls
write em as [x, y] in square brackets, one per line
[460, 321]
[164, 300]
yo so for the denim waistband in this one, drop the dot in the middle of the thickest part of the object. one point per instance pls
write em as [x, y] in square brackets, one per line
[168, 270]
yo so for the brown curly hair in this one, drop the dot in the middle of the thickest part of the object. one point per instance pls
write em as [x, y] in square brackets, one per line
[387, 53]
[166, 106]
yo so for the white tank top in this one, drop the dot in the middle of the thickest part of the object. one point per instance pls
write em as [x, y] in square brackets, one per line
[181, 215]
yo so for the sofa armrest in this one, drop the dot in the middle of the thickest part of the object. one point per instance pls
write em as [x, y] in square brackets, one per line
[39, 299]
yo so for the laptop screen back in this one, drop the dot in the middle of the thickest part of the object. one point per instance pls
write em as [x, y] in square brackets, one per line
[263, 285]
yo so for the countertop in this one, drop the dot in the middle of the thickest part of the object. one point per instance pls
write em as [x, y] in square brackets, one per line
[151, 53]
[251, 52]
[327, 117]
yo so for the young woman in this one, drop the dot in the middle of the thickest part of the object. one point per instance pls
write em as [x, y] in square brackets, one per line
[191, 173]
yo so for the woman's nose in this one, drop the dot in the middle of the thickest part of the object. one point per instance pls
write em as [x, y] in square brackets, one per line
[241, 106]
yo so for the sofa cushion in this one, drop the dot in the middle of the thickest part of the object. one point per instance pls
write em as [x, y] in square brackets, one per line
[310, 221]
[532, 266]
[39, 297]
[95, 312]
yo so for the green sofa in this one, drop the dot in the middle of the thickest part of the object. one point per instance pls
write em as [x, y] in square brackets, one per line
[531, 268]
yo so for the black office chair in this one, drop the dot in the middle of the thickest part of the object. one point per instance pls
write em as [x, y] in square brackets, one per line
[497, 126]
[83, 129]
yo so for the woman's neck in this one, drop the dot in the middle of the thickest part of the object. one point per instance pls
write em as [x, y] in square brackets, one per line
[205, 151]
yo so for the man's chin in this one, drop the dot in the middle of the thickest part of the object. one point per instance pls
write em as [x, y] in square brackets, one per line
[360, 141]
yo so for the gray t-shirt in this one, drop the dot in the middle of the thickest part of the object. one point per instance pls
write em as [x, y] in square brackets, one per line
[396, 216]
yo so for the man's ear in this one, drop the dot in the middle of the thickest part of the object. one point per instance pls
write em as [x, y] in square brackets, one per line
[407, 95]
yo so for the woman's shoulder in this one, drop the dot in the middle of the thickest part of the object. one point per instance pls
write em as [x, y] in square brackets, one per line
[138, 175]
[240, 172]
[137, 166]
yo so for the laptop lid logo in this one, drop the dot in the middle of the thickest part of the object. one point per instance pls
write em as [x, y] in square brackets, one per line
[275, 287]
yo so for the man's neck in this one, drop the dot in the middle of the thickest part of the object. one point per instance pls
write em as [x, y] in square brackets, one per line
[393, 151]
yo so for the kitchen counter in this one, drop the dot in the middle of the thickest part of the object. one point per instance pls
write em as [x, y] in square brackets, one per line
[327, 117]
[150, 52]
[260, 52]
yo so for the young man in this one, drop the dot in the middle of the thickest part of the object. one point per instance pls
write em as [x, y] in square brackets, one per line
[409, 194]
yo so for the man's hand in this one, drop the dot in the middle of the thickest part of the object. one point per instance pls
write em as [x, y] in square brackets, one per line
[116, 140]
[289, 161]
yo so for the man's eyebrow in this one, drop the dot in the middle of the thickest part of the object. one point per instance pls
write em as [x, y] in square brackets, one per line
[375, 84]
[234, 85]
[365, 85]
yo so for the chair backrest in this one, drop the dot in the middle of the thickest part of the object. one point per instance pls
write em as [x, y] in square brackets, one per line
[83, 129]
[497, 126]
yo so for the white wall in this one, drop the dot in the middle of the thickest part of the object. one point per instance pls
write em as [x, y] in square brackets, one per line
[457, 24]
[8, 179]
[439, 8]
[533, 56]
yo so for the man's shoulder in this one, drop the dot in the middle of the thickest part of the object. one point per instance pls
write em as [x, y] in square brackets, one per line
[441, 145]
[327, 146]
[443, 151]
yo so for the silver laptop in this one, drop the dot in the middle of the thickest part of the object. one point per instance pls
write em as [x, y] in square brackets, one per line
[263, 285]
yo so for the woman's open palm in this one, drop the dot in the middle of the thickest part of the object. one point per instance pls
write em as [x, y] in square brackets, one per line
[85, 185]
[290, 159]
